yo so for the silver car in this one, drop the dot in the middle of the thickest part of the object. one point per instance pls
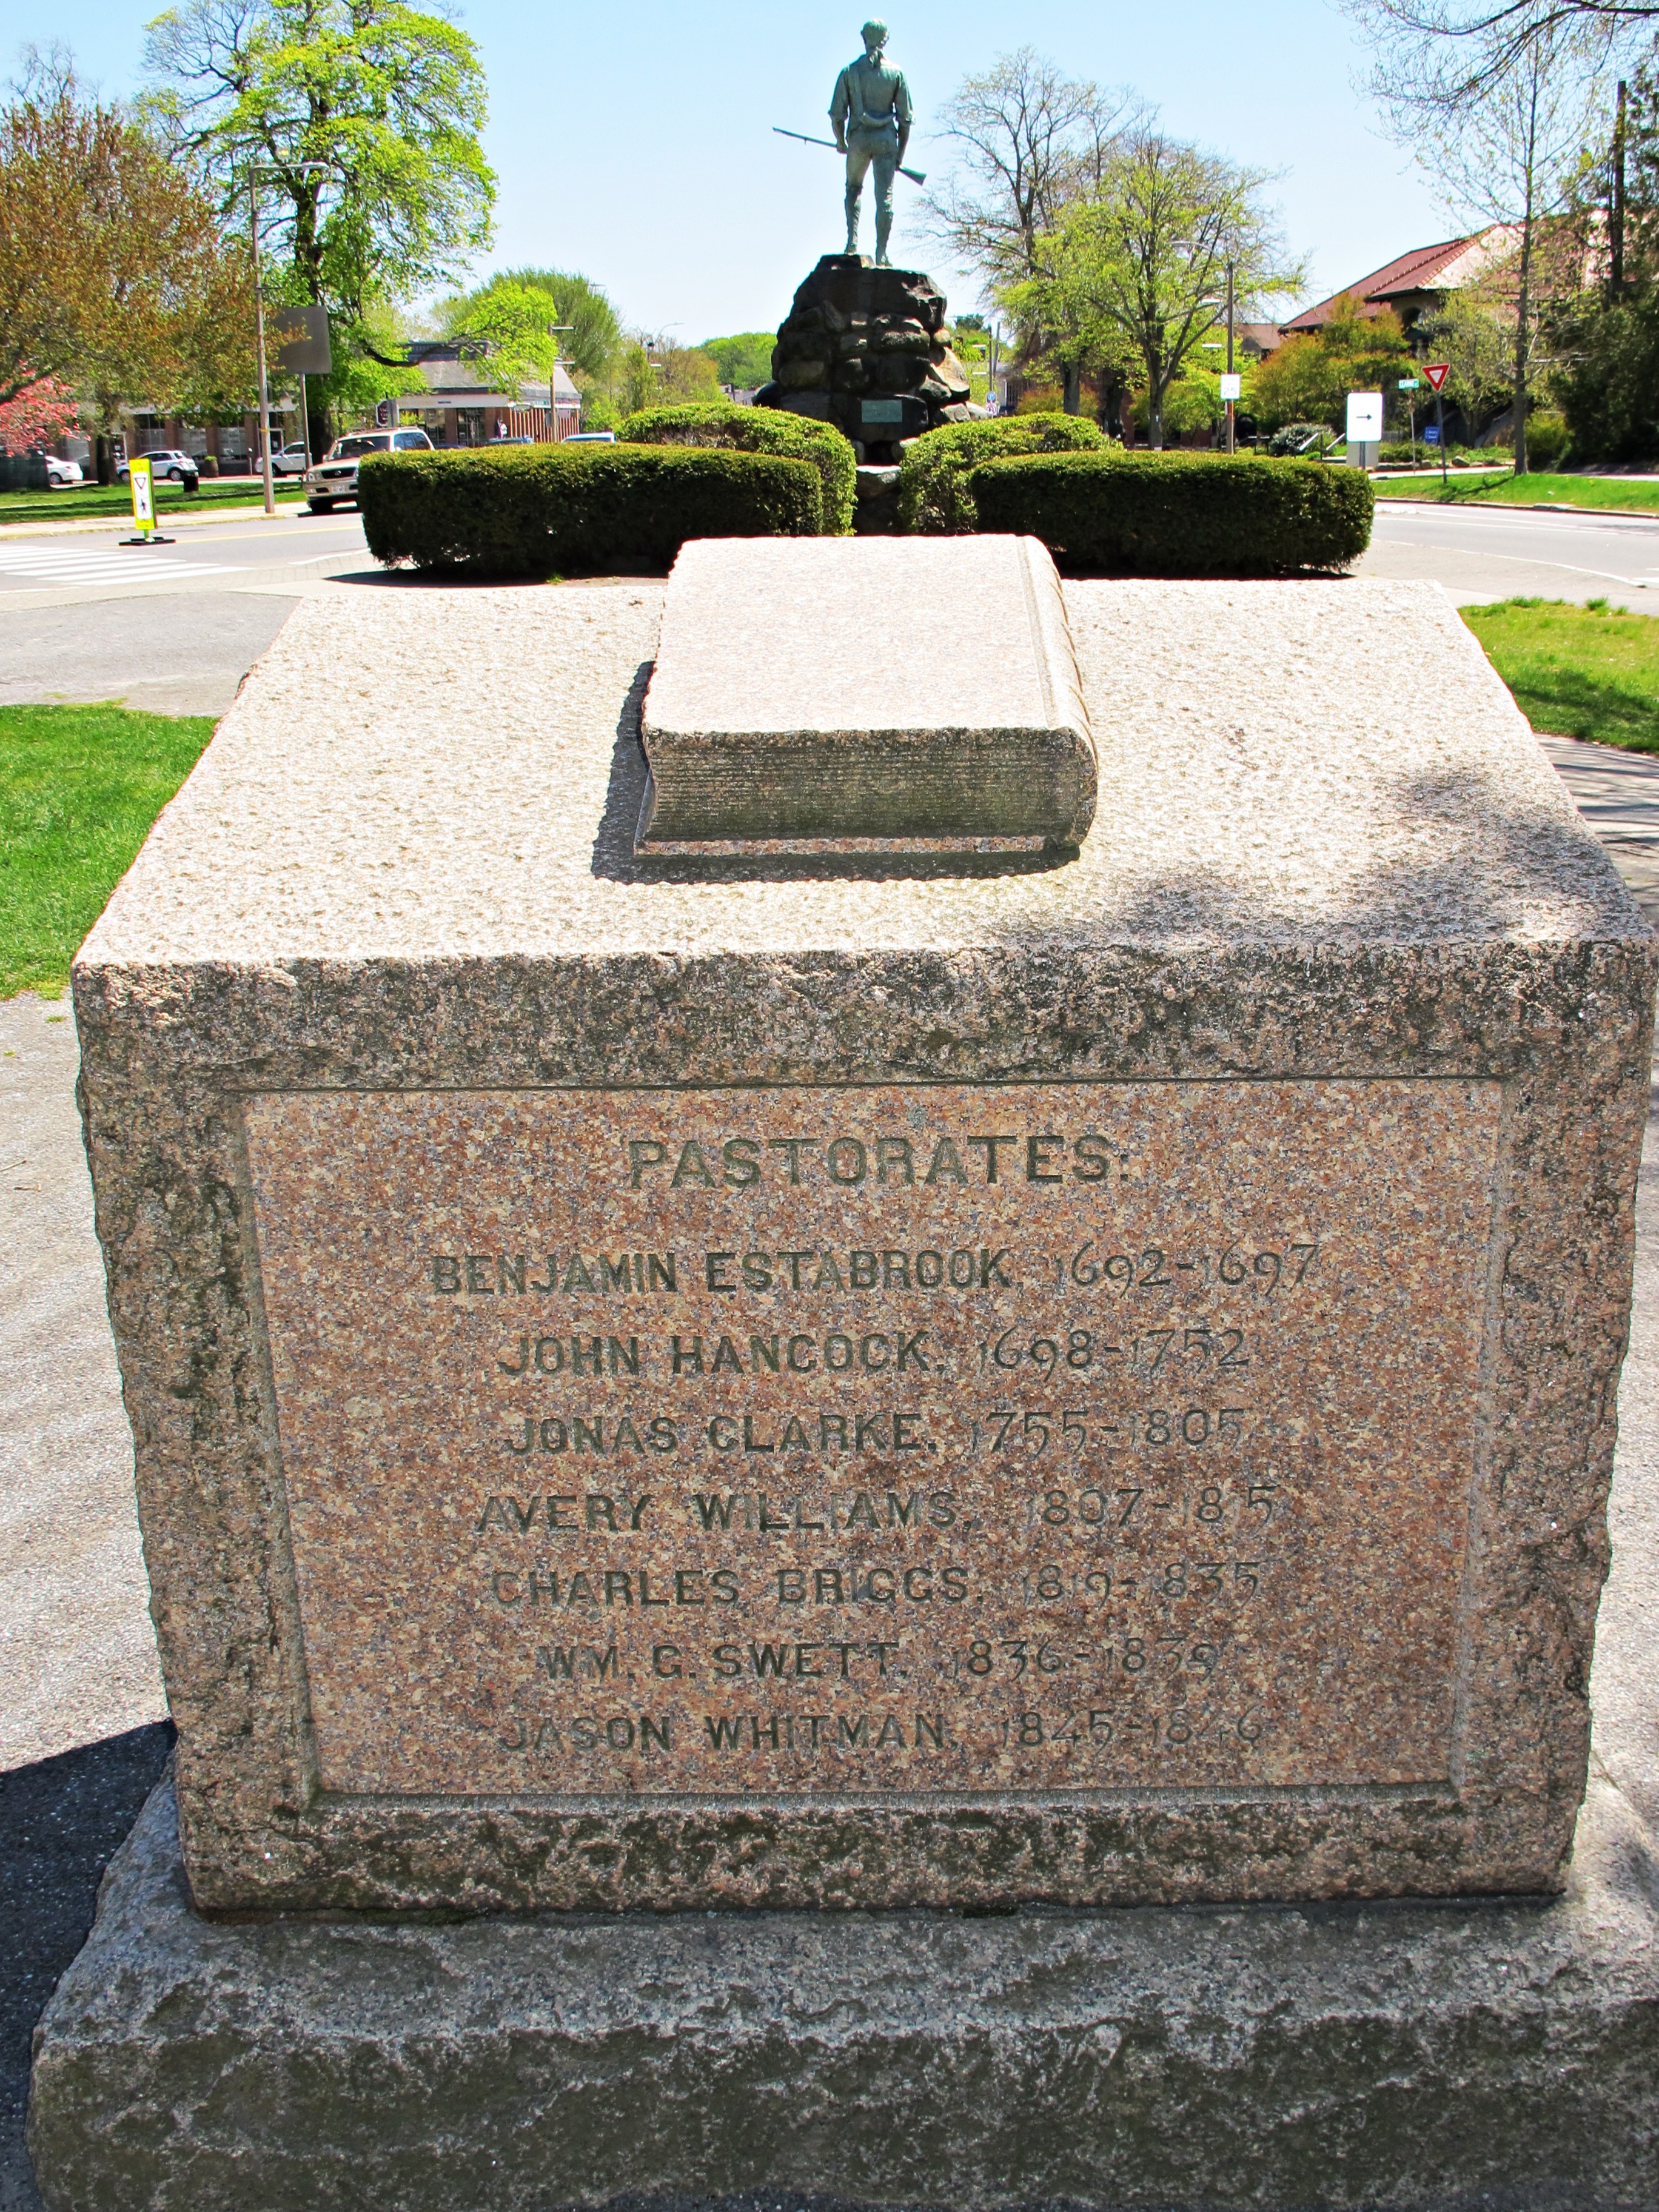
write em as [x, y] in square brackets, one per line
[335, 476]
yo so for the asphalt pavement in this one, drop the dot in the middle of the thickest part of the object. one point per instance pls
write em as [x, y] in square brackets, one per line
[226, 587]
[1485, 553]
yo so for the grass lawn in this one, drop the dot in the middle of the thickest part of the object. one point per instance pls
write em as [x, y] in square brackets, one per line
[77, 504]
[79, 788]
[1618, 492]
[1589, 671]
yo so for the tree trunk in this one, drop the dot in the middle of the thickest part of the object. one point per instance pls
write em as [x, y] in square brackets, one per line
[1072, 388]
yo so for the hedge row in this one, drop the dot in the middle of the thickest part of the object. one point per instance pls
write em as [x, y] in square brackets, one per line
[933, 494]
[532, 510]
[1180, 514]
[759, 430]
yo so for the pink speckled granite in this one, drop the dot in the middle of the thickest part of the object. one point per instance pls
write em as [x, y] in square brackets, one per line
[374, 1022]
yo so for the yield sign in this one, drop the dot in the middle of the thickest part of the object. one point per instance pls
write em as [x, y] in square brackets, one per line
[1436, 372]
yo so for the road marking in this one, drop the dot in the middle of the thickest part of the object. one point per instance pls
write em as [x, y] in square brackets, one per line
[101, 565]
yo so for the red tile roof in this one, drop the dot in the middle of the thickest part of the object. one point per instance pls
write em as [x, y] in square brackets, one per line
[1409, 272]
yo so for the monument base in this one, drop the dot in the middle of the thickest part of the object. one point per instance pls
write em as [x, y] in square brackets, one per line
[1496, 2053]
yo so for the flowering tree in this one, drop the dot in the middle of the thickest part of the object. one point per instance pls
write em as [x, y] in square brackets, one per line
[41, 413]
[114, 277]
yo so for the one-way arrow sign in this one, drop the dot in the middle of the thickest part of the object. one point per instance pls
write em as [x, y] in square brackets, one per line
[1436, 372]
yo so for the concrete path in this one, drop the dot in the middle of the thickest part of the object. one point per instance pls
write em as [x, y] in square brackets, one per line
[78, 1658]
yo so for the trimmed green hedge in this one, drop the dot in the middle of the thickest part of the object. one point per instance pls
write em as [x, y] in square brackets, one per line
[759, 430]
[1180, 514]
[535, 509]
[933, 494]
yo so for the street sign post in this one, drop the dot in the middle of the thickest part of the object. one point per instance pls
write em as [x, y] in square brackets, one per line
[1438, 372]
[1410, 384]
[1365, 428]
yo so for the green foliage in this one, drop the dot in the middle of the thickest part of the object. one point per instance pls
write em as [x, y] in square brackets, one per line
[1547, 437]
[759, 430]
[534, 510]
[512, 321]
[745, 360]
[1589, 671]
[934, 497]
[1129, 277]
[1178, 514]
[1610, 394]
[384, 96]
[591, 344]
[79, 789]
[1308, 380]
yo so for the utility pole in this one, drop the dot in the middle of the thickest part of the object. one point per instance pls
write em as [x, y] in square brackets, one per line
[1231, 405]
[259, 324]
[1616, 227]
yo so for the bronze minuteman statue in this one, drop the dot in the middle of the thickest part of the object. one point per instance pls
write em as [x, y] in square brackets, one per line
[869, 113]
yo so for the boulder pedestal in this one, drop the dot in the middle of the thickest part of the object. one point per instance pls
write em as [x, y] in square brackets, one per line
[867, 349]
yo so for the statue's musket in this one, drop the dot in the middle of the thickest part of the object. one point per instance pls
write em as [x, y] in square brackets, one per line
[916, 176]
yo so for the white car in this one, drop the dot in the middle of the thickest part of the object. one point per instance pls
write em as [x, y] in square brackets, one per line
[164, 461]
[60, 473]
[290, 461]
[335, 476]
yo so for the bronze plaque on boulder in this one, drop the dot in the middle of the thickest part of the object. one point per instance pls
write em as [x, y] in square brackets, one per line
[846, 1441]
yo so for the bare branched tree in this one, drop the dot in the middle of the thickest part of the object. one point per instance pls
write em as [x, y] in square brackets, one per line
[1505, 126]
[1463, 46]
[1029, 138]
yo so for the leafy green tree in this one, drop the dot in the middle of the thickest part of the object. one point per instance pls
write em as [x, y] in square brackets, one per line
[363, 117]
[1609, 387]
[1308, 379]
[513, 321]
[745, 360]
[594, 336]
[1137, 266]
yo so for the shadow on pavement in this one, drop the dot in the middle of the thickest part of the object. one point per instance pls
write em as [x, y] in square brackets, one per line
[61, 1822]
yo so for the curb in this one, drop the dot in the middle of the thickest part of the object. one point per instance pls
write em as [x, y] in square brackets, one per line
[82, 525]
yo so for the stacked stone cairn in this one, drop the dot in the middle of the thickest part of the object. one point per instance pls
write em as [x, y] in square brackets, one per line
[867, 348]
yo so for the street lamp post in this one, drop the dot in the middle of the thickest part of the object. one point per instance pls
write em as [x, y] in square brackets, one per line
[306, 168]
[259, 324]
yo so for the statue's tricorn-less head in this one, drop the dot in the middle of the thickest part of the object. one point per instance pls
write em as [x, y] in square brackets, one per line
[875, 38]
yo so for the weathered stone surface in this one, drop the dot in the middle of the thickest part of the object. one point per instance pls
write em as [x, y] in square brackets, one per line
[1298, 895]
[817, 688]
[865, 344]
[1425, 2059]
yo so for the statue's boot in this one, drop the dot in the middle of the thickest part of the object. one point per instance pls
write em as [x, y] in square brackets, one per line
[883, 232]
[854, 195]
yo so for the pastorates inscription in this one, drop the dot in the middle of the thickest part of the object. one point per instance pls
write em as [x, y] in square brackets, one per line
[829, 1441]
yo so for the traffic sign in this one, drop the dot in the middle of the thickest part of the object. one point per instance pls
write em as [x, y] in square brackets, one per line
[1364, 417]
[1436, 372]
[1408, 384]
[1232, 387]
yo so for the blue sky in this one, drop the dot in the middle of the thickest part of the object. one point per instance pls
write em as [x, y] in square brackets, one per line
[636, 145]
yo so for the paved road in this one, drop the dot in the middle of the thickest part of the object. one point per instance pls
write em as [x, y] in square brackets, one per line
[55, 567]
[226, 589]
[1482, 554]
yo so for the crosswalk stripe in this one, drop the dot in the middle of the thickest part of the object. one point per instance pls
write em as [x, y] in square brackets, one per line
[100, 567]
